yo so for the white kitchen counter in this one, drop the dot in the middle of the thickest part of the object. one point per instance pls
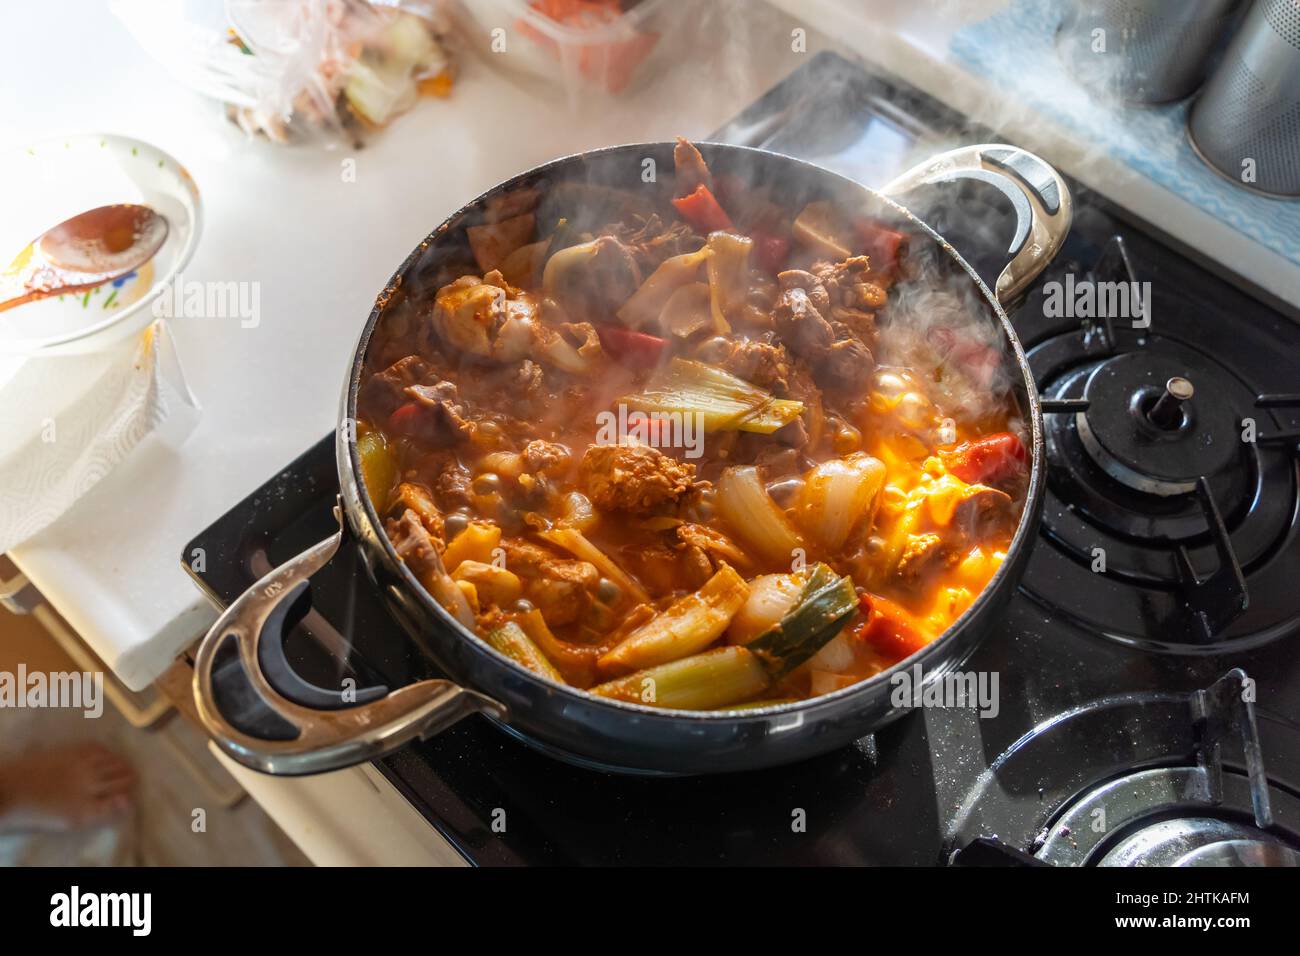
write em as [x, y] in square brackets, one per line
[320, 249]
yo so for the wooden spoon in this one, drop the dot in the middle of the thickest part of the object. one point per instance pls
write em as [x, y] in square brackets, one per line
[89, 249]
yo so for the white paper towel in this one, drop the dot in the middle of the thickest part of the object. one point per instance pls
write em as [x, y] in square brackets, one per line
[66, 421]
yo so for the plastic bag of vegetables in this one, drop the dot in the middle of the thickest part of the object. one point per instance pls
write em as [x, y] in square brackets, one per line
[321, 71]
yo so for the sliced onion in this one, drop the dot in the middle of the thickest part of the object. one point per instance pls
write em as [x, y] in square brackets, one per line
[648, 302]
[836, 655]
[770, 597]
[728, 272]
[578, 511]
[687, 310]
[753, 516]
[838, 496]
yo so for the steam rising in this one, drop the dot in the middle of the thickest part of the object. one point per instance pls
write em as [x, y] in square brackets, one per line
[939, 326]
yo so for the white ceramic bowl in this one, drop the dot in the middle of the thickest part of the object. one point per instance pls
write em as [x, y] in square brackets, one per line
[42, 184]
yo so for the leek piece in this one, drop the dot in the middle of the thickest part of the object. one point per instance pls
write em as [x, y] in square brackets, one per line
[689, 625]
[721, 401]
[822, 228]
[716, 678]
[826, 605]
[511, 641]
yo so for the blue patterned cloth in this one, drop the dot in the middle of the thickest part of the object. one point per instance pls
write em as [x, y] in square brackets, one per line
[1016, 50]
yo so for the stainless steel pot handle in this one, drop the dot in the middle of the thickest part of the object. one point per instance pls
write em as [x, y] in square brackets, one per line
[1040, 197]
[322, 729]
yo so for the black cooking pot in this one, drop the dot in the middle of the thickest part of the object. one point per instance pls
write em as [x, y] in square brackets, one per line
[266, 717]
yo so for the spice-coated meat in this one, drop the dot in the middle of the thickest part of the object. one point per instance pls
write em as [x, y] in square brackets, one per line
[635, 478]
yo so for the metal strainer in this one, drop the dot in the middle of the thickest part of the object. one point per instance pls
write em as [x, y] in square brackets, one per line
[1246, 123]
[1143, 51]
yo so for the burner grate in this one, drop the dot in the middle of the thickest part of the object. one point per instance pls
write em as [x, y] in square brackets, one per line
[1187, 810]
[1162, 513]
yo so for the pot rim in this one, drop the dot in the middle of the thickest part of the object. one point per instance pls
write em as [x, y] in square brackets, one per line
[1027, 526]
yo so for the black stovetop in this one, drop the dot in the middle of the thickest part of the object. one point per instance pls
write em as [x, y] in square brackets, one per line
[1094, 668]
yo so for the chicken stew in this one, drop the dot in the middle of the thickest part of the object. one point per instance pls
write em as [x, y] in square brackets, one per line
[686, 445]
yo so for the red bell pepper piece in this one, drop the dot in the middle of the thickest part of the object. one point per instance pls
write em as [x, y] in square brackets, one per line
[405, 420]
[888, 628]
[633, 349]
[702, 211]
[985, 460]
[882, 245]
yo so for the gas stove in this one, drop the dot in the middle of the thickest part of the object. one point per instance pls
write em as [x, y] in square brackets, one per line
[1149, 667]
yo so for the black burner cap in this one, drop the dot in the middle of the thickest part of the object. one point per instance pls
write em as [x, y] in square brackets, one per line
[1164, 453]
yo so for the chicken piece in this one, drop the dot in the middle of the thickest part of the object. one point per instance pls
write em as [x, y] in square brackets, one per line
[715, 545]
[485, 317]
[409, 496]
[793, 434]
[417, 548]
[776, 461]
[765, 363]
[529, 377]
[848, 362]
[421, 552]
[438, 418]
[850, 283]
[695, 566]
[691, 171]
[384, 391]
[563, 589]
[519, 390]
[855, 294]
[544, 457]
[452, 489]
[655, 564]
[812, 286]
[652, 242]
[983, 513]
[834, 348]
[801, 325]
[924, 554]
[635, 478]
